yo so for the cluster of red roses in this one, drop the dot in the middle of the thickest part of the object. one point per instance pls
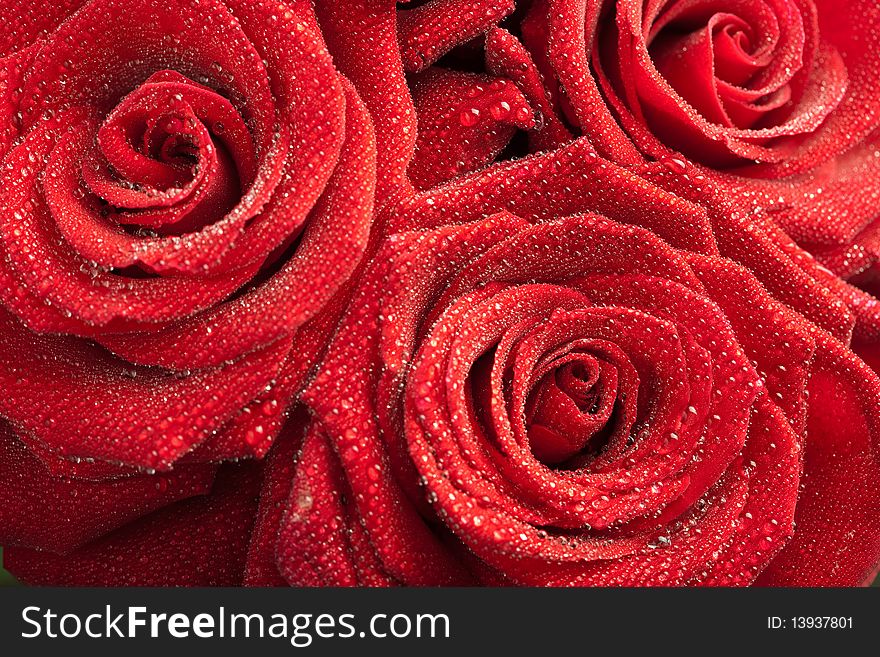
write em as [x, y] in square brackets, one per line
[359, 292]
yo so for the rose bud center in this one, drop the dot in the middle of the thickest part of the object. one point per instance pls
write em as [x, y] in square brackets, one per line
[568, 409]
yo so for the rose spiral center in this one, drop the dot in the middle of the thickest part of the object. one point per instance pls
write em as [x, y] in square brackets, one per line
[569, 407]
[738, 66]
[172, 157]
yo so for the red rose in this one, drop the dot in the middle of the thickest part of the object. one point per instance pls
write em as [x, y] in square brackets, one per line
[777, 99]
[594, 399]
[185, 185]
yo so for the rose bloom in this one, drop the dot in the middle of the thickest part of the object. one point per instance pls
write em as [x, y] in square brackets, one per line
[574, 386]
[566, 359]
[185, 186]
[777, 100]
